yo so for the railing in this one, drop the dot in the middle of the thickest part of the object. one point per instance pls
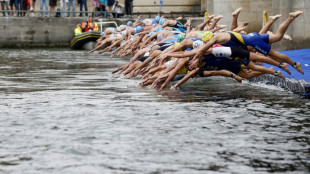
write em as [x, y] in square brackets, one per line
[100, 14]
[39, 13]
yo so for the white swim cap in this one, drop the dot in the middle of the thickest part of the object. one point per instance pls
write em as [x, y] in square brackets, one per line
[122, 27]
[119, 36]
[197, 44]
[147, 54]
[124, 33]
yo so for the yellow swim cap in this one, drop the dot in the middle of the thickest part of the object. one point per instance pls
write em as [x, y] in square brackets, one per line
[176, 44]
[207, 35]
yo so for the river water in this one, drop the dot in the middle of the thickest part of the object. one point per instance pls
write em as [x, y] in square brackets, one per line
[64, 112]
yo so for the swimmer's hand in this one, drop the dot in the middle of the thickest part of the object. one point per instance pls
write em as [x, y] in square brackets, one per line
[193, 64]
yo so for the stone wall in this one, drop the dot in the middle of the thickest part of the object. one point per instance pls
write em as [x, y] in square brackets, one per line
[299, 29]
[39, 31]
[144, 6]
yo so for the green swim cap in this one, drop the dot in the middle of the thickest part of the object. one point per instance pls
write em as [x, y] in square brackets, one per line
[181, 37]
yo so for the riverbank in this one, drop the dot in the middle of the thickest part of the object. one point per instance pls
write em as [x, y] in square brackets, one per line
[58, 32]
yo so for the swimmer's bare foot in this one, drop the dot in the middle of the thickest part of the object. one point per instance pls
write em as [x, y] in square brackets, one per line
[221, 26]
[297, 66]
[279, 74]
[296, 14]
[284, 66]
[237, 11]
[243, 32]
[218, 17]
[287, 37]
[239, 29]
[211, 16]
[274, 18]
[238, 78]
[271, 68]
[242, 24]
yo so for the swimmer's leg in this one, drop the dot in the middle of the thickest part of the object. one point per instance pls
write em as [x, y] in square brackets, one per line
[271, 20]
[285, 58]
[261, 58]
[235, 15]
[283, 27]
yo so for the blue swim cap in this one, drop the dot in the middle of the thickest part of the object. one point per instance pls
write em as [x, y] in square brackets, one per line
[162, 21]
[152, 33]
[154, 23]
[102, 34]
[157, 18]
[158, 29]
[129, 23]
[140, 19]
[138, 29]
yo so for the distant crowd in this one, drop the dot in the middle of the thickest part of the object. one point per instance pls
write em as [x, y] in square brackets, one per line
[66, 8]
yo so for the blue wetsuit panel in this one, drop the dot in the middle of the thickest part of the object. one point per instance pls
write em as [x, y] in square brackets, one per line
[171, 40]
[258, 42]
[194, 39]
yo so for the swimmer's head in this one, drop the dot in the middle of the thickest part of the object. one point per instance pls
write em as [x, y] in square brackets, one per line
[154, 23]
[181, 37]
[138, 29]
[124, 33]
[102, 34]
[152, 33]
[122, 27]
[197, 44]
[161, 21]
[147, 54]
[157, 18]
[129, 23]
[123, 41]
[119, 36]
[207, 35]
[160, 37]
[176, 45]
[158, 29]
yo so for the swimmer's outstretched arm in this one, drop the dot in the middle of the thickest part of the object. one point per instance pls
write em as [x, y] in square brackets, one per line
[173, 73]
[204, 48]
[184, 79]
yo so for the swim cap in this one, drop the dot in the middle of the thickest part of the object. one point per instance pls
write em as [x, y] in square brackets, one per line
[102, 34]
[122, 27]
[119, 36]
[161, 21]
[154, 23]
[157, 18]
[129, 23]
[147, 54]
[176, 44]
[181, 37]
[160, 37]
[124, 33]
[207, 35]
[152, 33]
[123, 41]
[197, 44]
[158, 29]
[138, 29]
